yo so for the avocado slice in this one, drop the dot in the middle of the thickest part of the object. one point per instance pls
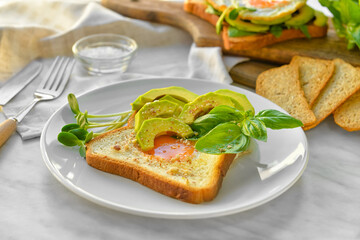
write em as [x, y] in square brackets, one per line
[155, 109]
[176, 92]
[154, 127]
[202, 105]
[306, 13]
[172, 99]
[246, 26]
[273, 22]
[240, 100]
[320, 19]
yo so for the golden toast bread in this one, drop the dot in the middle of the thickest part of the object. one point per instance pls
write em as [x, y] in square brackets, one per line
[344, 82]
[198, 7]
[314, 74]
[282, 86]
[347, 115]
[193, 180]
[266, 39]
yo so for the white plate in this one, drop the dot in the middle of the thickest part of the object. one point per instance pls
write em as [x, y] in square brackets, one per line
[242, 188]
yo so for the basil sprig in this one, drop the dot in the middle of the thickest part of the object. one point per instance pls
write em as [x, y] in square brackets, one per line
[346, 19]
[228, 130]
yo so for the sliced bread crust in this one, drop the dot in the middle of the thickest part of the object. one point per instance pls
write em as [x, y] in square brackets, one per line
[314, 74]
[347, 115]
[147, 170]
[198, 8]
[282, 86]
[344, 82]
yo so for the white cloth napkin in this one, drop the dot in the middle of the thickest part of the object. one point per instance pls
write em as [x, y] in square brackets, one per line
[164, 51]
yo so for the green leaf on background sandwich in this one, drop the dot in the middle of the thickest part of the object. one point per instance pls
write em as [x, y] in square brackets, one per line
[304, 29]
[234, 32]
[234, 14]
[276, 30]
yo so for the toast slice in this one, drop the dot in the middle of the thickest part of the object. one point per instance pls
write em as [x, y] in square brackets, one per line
[198, 7]
[266, 39]
[314, 74]
[344, 82]
[193, 180]
[282, 86]
[347, 115]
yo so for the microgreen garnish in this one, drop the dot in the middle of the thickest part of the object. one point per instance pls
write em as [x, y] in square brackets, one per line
[77, 134]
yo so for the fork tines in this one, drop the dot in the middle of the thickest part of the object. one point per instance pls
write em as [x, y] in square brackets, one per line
[60, 69]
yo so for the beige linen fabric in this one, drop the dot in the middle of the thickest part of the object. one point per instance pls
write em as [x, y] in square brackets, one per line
[38, 28]
[45, 29]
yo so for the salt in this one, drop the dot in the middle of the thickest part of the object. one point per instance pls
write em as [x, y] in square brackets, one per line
[103, 52]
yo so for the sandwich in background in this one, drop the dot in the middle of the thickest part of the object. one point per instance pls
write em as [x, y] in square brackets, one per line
[253, 24]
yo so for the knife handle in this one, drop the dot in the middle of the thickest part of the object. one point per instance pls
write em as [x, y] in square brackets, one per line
[7, 128]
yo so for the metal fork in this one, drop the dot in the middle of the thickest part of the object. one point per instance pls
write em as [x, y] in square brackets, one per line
[50, 88]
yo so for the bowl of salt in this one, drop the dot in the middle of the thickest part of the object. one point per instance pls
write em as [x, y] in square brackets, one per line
[105, 53]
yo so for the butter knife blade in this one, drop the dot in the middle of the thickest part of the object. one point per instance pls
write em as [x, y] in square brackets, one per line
[17, 82]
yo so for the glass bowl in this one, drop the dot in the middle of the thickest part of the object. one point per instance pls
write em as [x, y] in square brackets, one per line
[105, 53]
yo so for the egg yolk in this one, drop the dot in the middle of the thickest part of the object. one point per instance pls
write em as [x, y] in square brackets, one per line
[168, 148]
[266, 3]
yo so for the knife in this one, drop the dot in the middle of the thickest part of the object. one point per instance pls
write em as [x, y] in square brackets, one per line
[17, 82]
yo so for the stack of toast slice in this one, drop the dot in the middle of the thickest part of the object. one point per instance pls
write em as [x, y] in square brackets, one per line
[327, 86]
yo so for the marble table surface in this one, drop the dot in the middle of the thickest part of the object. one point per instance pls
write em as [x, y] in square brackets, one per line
[323, 204]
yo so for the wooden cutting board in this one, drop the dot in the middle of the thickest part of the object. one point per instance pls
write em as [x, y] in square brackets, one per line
[204, 35]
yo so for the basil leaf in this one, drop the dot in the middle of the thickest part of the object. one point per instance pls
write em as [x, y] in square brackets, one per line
[224, 138]
[225, 109]
[277, 120]
[79, 133]
[332, 9]
[339, 28]
[346, 17]
[69, 127]
[354, 31]
[68, 139]
[350, 11]
[276, 30]
[204, 124]
[254, 128]
[304, 29]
